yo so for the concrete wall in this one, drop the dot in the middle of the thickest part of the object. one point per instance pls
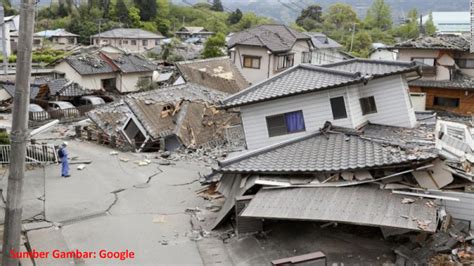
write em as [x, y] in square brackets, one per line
[126, 44]
[268, 62]
[390, 93]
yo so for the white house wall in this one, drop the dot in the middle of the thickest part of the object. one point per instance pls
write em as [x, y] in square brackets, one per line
[392, 99]
[325, 56]
[128, 82]
[442, 72]
[91, 82]
[316, 110]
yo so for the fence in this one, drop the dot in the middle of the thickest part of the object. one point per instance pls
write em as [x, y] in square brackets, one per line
[35, 153]
[61, 114]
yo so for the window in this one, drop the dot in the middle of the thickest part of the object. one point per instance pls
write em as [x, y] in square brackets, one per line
[285, 61]
[286, 123]
[133, 42]
[368, 105]
[145, 42]
[446, 102]
[36, 42]
[71, 40]
[428, 65]
[251, 62]
[157, 42]
[338, 107]
[125, 42]
[306, 57]
[465, 63]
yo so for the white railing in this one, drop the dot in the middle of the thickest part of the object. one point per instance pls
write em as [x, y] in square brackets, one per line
[35, 153]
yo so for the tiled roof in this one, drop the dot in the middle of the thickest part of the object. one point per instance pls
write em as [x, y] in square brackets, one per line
[441, 42]
[321, 41]
[148, 106]
[89, 64]
[300, 79]
[55, 33]
[333, 152]
[375, 68]
[460, 82]
[193, 30]
[10, 88]
[129, 63]
[124, 33]
[216, 73]
[275, 37]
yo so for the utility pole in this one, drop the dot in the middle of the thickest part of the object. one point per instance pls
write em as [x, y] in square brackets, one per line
[19, 134]
[353, 33]
[4, 40]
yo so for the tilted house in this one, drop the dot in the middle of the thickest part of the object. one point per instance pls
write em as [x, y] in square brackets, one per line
[349, 94]
[266, 50]
[448, 68]
[100, 70]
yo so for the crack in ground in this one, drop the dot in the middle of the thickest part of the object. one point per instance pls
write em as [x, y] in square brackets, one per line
[115, 192]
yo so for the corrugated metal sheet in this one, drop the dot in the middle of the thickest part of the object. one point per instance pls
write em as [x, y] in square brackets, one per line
[364, 205]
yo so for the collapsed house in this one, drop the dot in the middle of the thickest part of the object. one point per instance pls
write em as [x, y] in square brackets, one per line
[174, 116]
[342, 144]
[167, 119]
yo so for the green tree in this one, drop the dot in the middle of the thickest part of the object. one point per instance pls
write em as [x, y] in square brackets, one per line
[214, 46]
[379, 15]
[362, 44]
[410, 29]
[121, 12]
[134, 15]
[250, 20]
[235, 17]
[148, 9]
[430, 27]
[340, 16]
[8, 9]
[310, 17]
[217, 6]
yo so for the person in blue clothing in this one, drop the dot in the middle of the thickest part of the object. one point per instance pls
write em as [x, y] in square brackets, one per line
[64, 160]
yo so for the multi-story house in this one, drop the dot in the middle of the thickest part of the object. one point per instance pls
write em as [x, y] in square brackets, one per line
[301, 99]
[448, 68]
[266, 50]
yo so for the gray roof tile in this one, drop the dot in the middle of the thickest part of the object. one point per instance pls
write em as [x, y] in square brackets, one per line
[321, 41]
[300, 79]
[316, 152]
[275, 37]
[89, 64]
[374, 68]
[459, 82]
[124, 33]
[441, 42]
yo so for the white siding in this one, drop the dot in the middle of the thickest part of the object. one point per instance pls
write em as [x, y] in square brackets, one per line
[316, 110]
[91, 82]
[462, 209]
[128, 82]
[392, 101]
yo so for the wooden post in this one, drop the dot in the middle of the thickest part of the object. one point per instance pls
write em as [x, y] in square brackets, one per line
[19, 134]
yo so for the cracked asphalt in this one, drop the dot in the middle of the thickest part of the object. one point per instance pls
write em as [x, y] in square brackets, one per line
[116, 206]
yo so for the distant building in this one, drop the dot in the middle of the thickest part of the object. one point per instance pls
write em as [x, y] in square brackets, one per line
[451, 22]
[266, 50]
[326, 50]
[185, 33]
[58, 39]
[130, 40]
